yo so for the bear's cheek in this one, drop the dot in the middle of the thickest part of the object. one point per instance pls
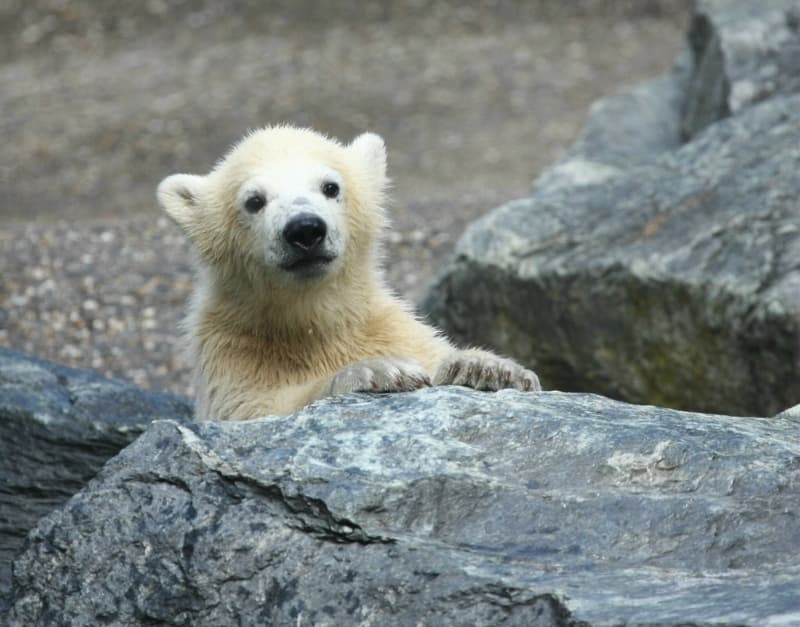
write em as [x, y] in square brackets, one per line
[259, 239]
[273, 249]
[336, 241]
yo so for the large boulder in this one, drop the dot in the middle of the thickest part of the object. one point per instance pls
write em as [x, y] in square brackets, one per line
[58, 426]
[441, 507]
[647, 269]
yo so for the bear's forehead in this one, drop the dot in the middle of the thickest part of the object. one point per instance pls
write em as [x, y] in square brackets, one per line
[281, 143]
[284, 153]
[289, 167]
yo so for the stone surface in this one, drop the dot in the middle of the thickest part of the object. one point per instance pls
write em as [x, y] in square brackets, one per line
[744, 52]
[648, 270]
[58, 426]
[445, 506]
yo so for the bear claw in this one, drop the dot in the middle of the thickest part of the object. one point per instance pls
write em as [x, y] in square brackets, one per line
[382, 374]
[484, 371]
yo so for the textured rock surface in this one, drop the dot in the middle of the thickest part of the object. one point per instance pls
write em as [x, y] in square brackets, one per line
[646, 270]
[744, 52]
[58, 426]
[440, 507]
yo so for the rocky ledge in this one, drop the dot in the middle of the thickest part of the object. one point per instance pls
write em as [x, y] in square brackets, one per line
[442, 507]
[649, 269]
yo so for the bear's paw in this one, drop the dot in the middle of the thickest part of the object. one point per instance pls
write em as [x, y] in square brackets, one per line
[381, 374]
[485, 371]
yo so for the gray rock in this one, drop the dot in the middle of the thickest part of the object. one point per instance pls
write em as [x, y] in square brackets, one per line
[58, 426]
[744, 52]
[441, 507]
[647, 270]
[675, 283]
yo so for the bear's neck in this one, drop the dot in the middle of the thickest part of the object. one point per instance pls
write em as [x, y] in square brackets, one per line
[332, 308]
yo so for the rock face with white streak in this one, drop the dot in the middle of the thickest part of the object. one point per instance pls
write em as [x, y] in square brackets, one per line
[650, 270]
[442, 507]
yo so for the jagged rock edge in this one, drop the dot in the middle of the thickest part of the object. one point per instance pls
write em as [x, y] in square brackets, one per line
[312, 515]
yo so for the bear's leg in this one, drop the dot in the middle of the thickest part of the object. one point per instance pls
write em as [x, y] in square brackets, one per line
[482, 370]
[381, 374]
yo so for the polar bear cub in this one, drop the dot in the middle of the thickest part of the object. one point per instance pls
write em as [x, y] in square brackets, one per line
[290, 303]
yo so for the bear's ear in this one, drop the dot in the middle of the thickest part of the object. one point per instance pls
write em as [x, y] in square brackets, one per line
[372, 151]
[178, 195]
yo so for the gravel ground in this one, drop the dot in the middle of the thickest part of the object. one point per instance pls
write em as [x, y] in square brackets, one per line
[100, 100]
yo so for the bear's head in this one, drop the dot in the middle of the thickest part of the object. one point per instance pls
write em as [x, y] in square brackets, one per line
[286, 207]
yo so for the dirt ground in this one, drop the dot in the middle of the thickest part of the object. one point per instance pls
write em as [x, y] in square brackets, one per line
[102, 99]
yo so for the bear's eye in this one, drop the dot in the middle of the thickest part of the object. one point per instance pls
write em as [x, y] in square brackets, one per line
[255, 203]
[330, 189]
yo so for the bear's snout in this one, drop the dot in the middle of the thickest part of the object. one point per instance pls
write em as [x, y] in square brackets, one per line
[305, 232]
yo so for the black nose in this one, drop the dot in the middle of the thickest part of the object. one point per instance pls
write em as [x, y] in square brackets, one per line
[305, 231]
